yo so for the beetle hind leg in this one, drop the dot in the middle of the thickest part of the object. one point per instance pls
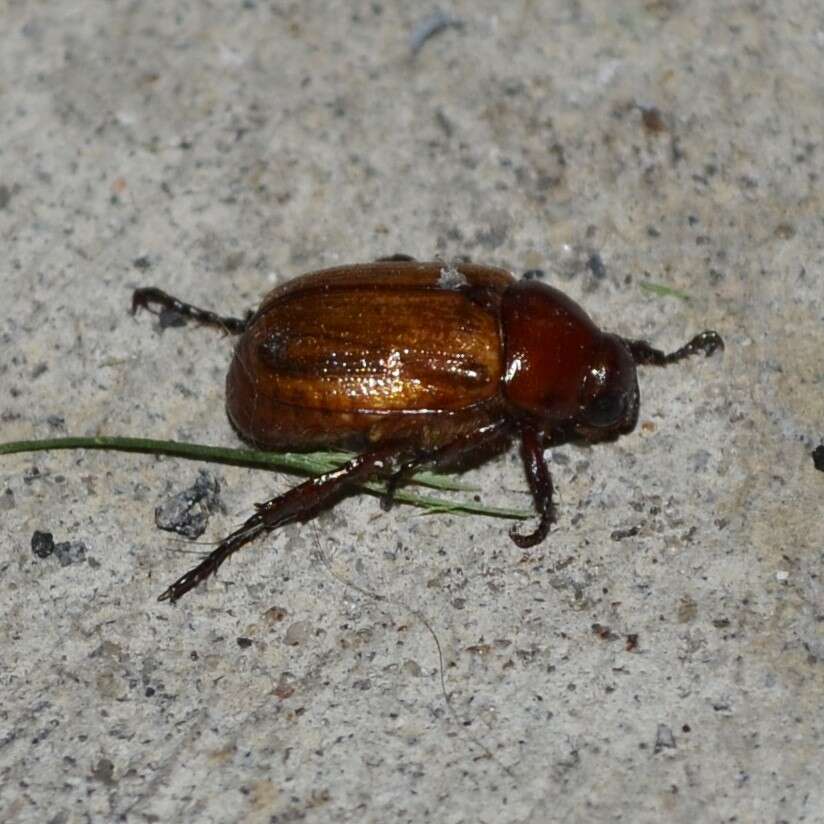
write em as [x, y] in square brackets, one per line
[645, 355]
[299, 503]
[149, 296]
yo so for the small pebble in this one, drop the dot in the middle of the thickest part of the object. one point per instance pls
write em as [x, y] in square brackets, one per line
[187, 512]
[42, 544]
[70, 552]
[596, 266]
[664, 739]
[412, 668]
[297, 633]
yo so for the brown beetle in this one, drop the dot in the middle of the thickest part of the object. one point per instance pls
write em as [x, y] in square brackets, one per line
[418, 363]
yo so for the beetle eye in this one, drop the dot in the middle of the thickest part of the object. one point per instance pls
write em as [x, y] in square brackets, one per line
[606, 409]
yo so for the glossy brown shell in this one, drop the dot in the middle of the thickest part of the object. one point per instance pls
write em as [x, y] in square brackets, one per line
[392, 350]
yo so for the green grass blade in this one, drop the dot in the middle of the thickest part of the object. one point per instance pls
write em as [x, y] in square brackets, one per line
[663, 291]
[310, 463]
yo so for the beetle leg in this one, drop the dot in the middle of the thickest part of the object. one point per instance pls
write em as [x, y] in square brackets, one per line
[540, 482]
[645, 355]
[149, 296]
[297, 504]
[442, 456]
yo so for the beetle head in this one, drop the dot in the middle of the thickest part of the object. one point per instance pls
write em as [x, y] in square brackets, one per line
[608, 394]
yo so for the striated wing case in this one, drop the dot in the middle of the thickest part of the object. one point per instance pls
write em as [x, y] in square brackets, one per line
[370, 352]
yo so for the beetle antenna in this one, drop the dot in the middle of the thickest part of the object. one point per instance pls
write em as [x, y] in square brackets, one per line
[645, 355]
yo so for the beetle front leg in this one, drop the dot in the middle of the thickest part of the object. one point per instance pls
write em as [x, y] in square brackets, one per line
[148, 296]
[297, 504]
[540, 482]
[645, 355]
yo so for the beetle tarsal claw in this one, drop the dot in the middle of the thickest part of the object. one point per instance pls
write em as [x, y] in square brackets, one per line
[709, 342]
[181, 586]
[166, 595]
[529, 539]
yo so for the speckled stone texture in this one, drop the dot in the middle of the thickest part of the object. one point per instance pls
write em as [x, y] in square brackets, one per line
[659, 658]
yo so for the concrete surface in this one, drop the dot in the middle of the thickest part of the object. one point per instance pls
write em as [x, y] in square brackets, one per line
[215, 149]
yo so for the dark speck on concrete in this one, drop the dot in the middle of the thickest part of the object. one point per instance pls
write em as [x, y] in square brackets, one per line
[142, 263]
[664, 739]
[493, 237]
[596, 266]
[7, 500]
[653, 120]
[104, 771]
[31, 475]
[42, 544]
[244, 643]
[444, 123]
[70, 552]
[620, 534]
[187, 512]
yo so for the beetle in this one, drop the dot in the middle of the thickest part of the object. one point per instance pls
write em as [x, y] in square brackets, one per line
[418, 363]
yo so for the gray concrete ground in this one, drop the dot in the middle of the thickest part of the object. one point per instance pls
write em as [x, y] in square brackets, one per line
[215, 149]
